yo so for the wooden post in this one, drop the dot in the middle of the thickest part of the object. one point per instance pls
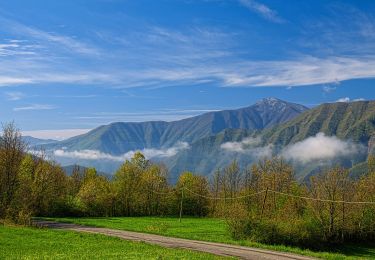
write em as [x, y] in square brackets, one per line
[264, 202]
[343, 217]
[182, 198]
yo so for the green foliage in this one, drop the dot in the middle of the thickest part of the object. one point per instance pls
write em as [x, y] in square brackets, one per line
[263, 203]
[32, 243]
[215, 230]
[95, 194]
[354, 121]
[139, 187]
[348, 121]
[191, 185]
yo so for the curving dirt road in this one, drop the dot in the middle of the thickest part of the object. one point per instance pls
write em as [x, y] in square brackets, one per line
[209, 247]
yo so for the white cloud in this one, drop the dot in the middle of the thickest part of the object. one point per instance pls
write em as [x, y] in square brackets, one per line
[347, 99]
[69, 43]
[155, 115]
[13, 96]
[168, 152]
[16, 47]
[242, 145]
[262, 10]
[329, 89]
[192, 56]
[97, 155]
[35, 107]
[249, 146]
[343, 100]
[320, 147]
[55, 134]
[88, 155]
[302, 71]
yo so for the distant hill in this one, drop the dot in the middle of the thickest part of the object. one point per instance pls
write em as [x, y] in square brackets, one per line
[206, 155]
[119, 138]
[32, 141]
[348, 121]
[216, 138]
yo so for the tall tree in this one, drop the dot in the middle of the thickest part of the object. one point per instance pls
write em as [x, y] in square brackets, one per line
[195, 192]
[12, 150]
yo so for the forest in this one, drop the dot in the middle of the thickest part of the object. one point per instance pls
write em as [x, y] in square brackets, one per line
[263, 202]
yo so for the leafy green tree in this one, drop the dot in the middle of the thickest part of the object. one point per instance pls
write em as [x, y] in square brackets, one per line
[127, 182]
[195, 192]
[96, 195]
[22, 204]
[371, 163]
[12, 149]
[49, 188]
[154, 190]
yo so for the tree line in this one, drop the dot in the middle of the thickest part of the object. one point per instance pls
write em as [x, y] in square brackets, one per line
[263, 202]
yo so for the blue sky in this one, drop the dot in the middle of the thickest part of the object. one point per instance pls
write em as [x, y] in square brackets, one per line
[78, 64]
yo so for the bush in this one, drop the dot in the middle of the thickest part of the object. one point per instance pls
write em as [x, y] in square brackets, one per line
[303, 231]
[238, 220]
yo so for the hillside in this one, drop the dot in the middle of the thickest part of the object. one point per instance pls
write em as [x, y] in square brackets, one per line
[348, 121]
[119, 138]
[205, 155]
[32, 141]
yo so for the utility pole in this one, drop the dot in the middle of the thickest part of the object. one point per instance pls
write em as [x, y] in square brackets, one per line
[264, 202]
[182, 199]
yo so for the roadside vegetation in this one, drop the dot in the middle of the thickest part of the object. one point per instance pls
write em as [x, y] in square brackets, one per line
[213, 230]
[263, 203]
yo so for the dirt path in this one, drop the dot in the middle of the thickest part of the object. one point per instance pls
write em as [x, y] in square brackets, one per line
[209, 247]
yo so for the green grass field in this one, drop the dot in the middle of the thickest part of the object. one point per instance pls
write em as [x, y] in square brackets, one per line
[209, 230]
[34, 243]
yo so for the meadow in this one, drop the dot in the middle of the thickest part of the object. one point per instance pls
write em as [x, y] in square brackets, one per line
[211, 229]
[35, 243]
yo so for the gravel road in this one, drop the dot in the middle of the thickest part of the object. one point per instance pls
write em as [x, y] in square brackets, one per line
[171, 242]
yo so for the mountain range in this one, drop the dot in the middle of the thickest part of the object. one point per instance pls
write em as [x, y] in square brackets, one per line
[209, 141]
[119, 138]
[32, 141]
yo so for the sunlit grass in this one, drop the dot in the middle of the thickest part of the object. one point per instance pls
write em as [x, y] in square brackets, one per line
[34, 243]
[209, 229]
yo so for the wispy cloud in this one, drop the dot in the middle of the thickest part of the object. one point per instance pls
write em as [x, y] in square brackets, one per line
[328, 88]
[347, 99]
[155, 115]
[16, 47]
[249, 146]
[263, 10]
[67, 42]
[196, 55]
[242, 145]
[35, 107]
[302, 71]
[55, 134]
[13, 96]
[97, 155]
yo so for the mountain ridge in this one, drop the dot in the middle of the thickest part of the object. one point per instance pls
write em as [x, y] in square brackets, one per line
[354, 122]
[120, 137]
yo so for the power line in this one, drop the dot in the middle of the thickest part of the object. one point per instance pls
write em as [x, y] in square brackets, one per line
[225, 198]
[163, 193]
[323, 200]
[260, 192]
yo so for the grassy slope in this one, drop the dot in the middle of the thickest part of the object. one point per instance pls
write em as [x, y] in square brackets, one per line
[349, 121]
[32, 243]
[208, 230]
